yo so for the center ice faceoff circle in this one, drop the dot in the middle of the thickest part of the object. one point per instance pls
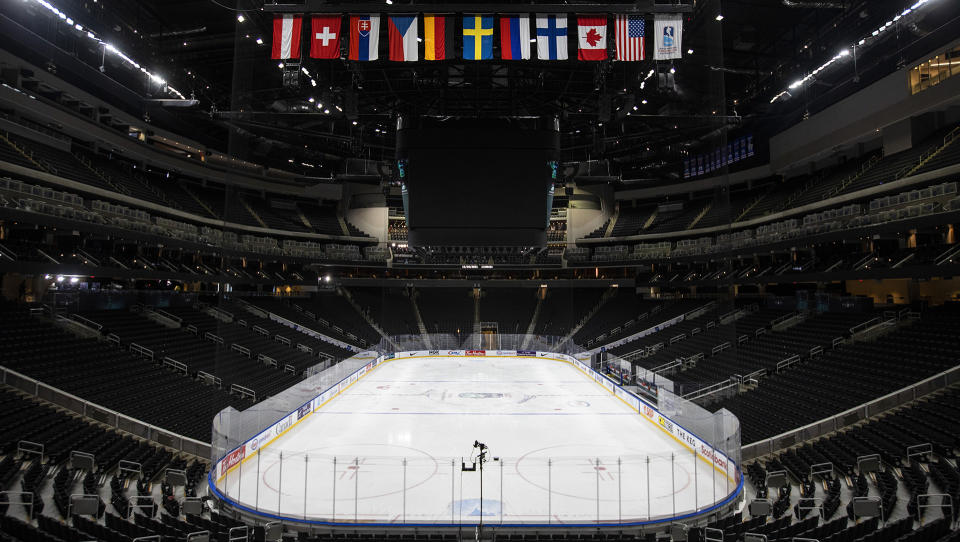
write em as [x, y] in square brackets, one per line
[403, 434]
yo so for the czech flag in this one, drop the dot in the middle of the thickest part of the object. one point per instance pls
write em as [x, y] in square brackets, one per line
[364, 36]
[515, 37]
[403, 38]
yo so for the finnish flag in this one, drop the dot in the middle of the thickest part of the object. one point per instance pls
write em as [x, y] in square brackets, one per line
[551, 36]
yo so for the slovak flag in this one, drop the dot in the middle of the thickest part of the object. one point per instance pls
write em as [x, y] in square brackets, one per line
[592, 38]
[515, 37]
[403, 38]
[325, 37]
[364, 36]
[551, 36]
[286, 36]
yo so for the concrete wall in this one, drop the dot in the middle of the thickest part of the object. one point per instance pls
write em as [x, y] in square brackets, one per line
[365, 207]
[590, 207]
[859, 117]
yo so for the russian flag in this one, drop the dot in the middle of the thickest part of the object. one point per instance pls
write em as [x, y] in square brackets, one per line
[364, 36]
[515, 37]
[403, 37]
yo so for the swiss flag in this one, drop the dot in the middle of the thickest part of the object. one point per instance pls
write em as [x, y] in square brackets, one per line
[592, 38]
[325, 37]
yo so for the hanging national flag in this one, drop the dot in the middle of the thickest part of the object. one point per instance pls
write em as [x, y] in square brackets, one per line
[668, 33]
[403, 38]
[364, 36]
[629, 33]
[477, 37]
[592, 37]
[286, 36]
[325, 36]
[551, 37]
[437, 37]
[515, 37]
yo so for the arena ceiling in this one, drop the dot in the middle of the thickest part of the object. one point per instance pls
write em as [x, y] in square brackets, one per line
[611, 110]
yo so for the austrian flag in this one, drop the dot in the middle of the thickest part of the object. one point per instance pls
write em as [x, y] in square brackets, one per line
[592, 38]
[286, 36]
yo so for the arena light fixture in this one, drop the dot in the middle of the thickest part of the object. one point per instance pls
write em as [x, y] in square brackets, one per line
[719, 17]
[845, 52]
[107, 47]
[240, 18]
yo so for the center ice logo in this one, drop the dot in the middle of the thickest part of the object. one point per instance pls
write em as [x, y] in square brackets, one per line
[471, 507]
[481, 395]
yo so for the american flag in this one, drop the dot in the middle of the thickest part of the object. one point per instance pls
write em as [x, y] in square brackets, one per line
[629, 31]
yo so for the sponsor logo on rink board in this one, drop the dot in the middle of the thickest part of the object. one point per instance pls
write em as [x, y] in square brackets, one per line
[476, 352]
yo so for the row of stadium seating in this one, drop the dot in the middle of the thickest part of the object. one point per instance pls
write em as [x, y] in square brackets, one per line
[35, 202]
[98, 372]
[849, 376]
[112, 173]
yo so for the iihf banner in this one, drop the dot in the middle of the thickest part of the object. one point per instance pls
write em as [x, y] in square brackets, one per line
[668, 37]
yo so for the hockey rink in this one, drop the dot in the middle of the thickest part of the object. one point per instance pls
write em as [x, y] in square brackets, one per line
[391, 449]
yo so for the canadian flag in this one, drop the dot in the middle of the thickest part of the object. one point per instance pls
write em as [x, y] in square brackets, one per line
[286, 36]
[325, 37]
[592, 37]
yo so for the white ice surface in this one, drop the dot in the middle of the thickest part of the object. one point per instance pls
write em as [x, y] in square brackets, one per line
[390, 449]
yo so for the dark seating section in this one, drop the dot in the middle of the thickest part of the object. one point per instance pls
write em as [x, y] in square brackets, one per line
[328, 313]
[59, 162]
[245, 335]
[391, 308]
[563, 308]
[511, 308]
[322, 218]
[197, 351]
[281, 215]
[101, 373]
[279, 331]
[892, 165]
[759, 352]
[446, 310]
[627, 312]
[849, 376]
[631, 220]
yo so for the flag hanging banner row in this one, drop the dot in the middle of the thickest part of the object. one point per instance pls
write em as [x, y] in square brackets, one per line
[550, 32]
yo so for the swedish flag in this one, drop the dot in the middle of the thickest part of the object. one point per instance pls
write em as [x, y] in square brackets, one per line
[477, 37]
